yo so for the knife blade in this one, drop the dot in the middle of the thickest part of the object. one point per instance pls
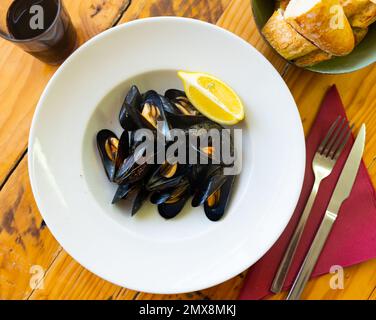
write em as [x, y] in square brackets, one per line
[341, 193]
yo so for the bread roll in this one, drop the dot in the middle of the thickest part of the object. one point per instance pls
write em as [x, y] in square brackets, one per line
[365, 17]
[352, 7]
[318, 56]
[324, 23]
[313, 58]
[284, 39]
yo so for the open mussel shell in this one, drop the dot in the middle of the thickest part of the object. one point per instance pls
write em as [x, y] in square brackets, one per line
[131, 119]
[108, 143]
[212, 182]
[154, 112]
[167, 176]
[131, 170]
[179, 109]
[171, 201]
[128, 117]
[209, 145]
[215, 205]
[124, 150]
[181, 103]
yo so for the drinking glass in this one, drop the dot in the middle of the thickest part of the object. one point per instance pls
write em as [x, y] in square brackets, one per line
[42, 28]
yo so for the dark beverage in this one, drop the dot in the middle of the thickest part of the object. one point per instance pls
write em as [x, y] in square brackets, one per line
[42, 28]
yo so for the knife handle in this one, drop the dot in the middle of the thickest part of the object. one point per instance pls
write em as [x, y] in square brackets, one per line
[312, 256]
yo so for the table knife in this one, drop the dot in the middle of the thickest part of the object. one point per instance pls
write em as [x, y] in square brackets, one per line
[340, 194]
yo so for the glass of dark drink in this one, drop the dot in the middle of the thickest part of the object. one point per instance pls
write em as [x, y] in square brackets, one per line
[42, 28]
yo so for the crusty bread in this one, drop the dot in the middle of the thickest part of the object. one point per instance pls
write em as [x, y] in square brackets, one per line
[318, 56]
[365, 17]
[352, 7]
[313, 58]
[359, 34]
[284, 39]
[324, 23]
[361, 13]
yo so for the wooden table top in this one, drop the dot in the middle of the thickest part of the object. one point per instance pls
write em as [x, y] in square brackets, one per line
[25, 241]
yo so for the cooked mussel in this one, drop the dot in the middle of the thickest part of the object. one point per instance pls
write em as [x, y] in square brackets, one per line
[132, 170]
[129, 113]
[179, 110]
[213, 181]
[174, 202]
[123, 191]
[108, 143]
[167, 176]
[139, 198]
[181, 102]
[215, 205]
[152, 110]
[208, 139]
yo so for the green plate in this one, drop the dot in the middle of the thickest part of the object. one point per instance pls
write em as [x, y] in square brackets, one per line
[363, 55]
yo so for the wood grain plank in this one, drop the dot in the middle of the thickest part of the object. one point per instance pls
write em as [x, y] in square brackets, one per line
[24, 239]
[206, 10]
[23, 78]
[68, 280]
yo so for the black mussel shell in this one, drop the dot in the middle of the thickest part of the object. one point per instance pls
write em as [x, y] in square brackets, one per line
[196, 175]
[159, 197]
[168, 106]
[181, 103]
[107, 143]
[171, 210]
[131, 171]
[212, 182]
[123, 150]
[139, 199]
[131, 119]
[216, 210]
[183, 121]
[134, 97]
[154, 99]
[174, 93]
[123, 191]
[201, 133]
[160, 181]
[128, 119]
[148, 94]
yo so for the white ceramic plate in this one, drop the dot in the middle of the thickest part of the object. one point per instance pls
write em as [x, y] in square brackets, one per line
[146, 252]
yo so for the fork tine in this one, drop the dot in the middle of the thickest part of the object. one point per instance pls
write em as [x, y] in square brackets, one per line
[333, 139]
[342, 146]
[338, 141]
[330, 131]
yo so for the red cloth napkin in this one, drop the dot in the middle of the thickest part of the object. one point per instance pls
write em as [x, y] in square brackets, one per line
[353, 237]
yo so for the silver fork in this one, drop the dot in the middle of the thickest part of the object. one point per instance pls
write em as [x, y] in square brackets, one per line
[325, 158]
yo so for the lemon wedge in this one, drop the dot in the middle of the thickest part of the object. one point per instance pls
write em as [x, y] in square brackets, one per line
[212, 97]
